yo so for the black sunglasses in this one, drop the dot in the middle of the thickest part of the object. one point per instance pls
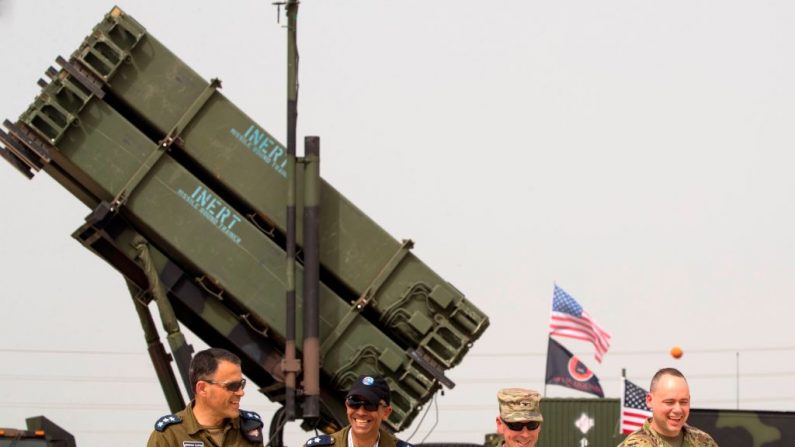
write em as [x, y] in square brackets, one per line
[518, 426]
[230, 386]
[355, 404]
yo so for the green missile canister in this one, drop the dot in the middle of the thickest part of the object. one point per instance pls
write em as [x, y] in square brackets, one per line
[409, 299]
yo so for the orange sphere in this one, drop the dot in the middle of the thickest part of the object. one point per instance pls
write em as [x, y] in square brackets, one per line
[676, 352]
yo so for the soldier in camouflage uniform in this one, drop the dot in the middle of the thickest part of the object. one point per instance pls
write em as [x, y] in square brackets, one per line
[520, 418]
[367, 406]
[669, 401]
[214, 417]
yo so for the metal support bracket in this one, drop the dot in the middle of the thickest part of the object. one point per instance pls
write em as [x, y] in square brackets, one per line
[383, 275]
[419, 356]
[19, 156]
[31, 141]
[15, 161]
[291, 366]
[86, 80]
[165, 144]
[366, 296]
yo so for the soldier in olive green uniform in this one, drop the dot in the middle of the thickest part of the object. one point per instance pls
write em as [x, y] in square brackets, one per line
[669, 401]
[367, 405]
[214, 417]
[520, 417]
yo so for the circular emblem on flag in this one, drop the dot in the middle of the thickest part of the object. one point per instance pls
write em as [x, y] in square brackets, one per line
[578, 371]
[368, 380]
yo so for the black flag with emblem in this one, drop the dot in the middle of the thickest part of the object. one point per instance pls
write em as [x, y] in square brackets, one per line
[565, 369]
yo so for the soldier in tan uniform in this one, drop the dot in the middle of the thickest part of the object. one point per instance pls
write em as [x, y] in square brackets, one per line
[214, 417]
[520, 418]
[669, 400]
[367, 405]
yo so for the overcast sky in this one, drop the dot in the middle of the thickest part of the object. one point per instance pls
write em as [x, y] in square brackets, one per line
[637, 153]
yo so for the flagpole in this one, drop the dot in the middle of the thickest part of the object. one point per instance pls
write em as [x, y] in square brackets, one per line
[546, 368]
[623, 389]
[622, 401]
[549, 337]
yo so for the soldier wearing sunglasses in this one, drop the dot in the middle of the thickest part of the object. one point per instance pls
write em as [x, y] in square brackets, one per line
[214, 417]
[367, 406]
[520, 418]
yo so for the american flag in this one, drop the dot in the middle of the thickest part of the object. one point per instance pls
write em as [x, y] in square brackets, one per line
[634, 411]
[570, 320]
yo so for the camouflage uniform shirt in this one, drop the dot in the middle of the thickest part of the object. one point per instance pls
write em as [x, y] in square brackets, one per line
[183, 430]
[646, 437]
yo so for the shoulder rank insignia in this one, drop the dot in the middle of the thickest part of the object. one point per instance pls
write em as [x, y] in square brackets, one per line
[319, 441]
[167, 420]
[250, 416]
[400, 443]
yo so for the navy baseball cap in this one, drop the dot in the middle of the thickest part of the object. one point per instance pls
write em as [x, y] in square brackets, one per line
[373, 389]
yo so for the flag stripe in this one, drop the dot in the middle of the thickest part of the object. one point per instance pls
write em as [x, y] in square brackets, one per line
[562, 321]
[570, 320]
[567, 328]
[634, 411]
[583, 321]
[579, 336]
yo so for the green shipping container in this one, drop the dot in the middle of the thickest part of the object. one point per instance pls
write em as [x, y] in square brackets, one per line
[580, 423]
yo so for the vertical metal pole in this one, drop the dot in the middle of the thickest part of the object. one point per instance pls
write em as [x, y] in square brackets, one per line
[549, 342]
[311, 346]
[738, 380]
[622, 402]
[291, 367]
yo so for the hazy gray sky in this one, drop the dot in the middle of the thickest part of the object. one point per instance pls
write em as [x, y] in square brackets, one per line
[638, 153]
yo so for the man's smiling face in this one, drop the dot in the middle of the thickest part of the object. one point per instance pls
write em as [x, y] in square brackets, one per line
[365, 423]
[518, 438]
[669, 400]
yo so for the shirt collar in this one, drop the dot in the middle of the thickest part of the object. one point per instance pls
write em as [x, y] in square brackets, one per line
[350, 438]
[192, 426]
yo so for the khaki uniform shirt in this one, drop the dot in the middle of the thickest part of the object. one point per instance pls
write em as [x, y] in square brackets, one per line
[647, 437]
[189, 433]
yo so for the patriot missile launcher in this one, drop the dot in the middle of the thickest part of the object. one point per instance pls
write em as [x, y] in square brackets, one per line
[188, 197]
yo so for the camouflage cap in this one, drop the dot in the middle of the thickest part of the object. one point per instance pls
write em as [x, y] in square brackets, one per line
[519, 404]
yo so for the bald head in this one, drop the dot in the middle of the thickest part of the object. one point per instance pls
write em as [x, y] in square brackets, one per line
[665, 372]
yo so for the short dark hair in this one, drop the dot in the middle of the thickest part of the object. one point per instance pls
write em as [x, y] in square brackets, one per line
[665, 372]
[205, 363]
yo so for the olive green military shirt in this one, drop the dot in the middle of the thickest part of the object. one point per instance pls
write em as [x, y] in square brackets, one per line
[647, 437]
[183, 430]
[340, 439]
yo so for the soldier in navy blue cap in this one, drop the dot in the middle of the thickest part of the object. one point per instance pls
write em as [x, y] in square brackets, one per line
[367, 405]
[214, 417]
